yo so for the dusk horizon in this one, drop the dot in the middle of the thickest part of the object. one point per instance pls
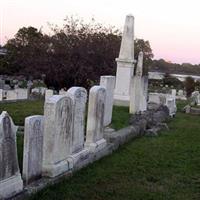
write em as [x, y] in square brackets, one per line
[173, 35]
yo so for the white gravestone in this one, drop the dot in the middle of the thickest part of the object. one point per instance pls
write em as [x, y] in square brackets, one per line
[171, 104]
[48, 94]
[108, 82]
[173, 92]
[154, 98]
[79, 153]
[11, 95]
[79, 97]
[95, 120]
[22, 93]
[10, 178]
[137, 94]
[33, 143]
[57, 141]
[125, 64]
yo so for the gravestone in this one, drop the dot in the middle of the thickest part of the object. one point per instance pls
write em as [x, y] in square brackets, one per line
[138, 101]
[95, 120]
[125, 64]
[154, 98]
[108, 82]
[57, 141]
[33, 143]
[10, 178]
[11, 95]
[21, 93]
[48, 94]
[171, 104]
[173, 92]
[79, 97]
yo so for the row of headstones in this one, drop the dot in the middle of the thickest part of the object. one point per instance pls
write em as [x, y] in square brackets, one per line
[180, 94]
[55, 143]
[16, 94]
[168, 100]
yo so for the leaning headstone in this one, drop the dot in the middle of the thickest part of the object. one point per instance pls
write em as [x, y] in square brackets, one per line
[33, 143]
[10, 178]
[57, 141]
[79, 97]
[48, 94]
[108, 82]
[95, 120]
[125, 64]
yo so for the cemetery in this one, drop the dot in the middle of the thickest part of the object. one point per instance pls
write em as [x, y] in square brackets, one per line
[115, 140]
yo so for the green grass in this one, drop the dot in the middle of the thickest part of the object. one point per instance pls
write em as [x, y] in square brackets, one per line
[120, 117]
[165, 167]
[20, 110]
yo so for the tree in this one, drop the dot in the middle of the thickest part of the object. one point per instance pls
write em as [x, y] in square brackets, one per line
[76, 54]
[189, 86]
[144, 46]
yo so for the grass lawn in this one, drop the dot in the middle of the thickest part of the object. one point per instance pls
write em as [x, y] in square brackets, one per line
[20, 110]
[164, 167]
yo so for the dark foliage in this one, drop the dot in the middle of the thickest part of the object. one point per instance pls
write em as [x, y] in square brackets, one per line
[75, 55]
[173, 68]
[189, 86]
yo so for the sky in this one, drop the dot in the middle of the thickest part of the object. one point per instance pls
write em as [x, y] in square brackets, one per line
[171, 26]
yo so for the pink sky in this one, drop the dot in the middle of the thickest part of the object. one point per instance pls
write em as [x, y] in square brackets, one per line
[171, 26]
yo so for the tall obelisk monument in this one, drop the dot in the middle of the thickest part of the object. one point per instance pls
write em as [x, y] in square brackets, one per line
[125, 64]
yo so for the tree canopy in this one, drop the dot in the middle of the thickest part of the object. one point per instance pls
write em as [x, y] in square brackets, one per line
[76, 54]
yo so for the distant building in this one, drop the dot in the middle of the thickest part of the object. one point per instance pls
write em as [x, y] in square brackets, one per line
[160, 75]
[3, 51]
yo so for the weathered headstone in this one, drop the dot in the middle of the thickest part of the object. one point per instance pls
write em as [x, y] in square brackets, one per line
[95, 120]
[10, 178]
[108, 82]
[171, 104]
[138, 102]
[57, 141]
[33, 143]
[125, 64]
[48, 94]
[79, 97]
